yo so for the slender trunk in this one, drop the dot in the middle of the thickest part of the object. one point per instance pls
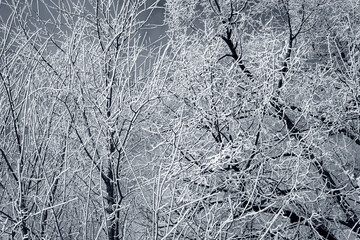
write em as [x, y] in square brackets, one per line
[110, 181]
[23, 217]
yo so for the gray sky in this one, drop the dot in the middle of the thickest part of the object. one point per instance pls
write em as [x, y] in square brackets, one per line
[154, 29]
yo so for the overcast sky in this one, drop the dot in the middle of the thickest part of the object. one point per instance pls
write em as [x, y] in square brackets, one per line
[154, 29]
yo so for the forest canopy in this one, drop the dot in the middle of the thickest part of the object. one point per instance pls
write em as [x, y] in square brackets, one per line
[180, 119]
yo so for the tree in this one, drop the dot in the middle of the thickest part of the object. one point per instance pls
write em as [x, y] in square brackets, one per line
[269, 143]
[241, 123]
[76, 82]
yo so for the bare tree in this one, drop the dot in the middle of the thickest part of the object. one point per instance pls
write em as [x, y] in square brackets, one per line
[76, 83]
[270, 140]
[242, 123]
